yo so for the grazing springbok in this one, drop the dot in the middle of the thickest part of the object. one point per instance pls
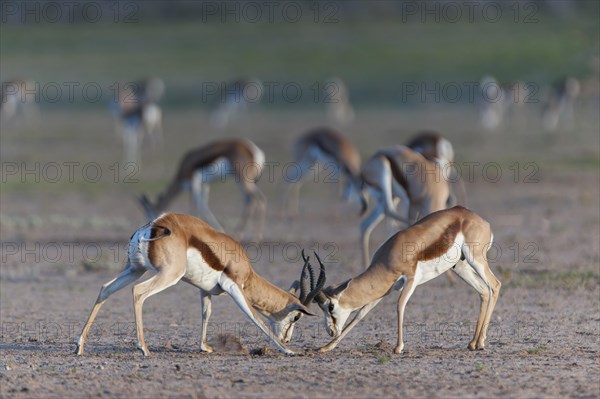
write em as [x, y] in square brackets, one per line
[138, 115]
[498, 100]
[436, 148]
[399, 172]
[334, 152]
[235, 98]
[453, 239]
[182, 247]
[240, 159]
[337, 102]
[560, 103]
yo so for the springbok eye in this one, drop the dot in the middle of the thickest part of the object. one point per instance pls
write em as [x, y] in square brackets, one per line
[296, 318]
[331, 307]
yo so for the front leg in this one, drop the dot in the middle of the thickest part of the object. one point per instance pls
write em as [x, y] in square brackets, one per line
[205, 303]
[359, 316]
[407, 291]
[234, 291]
[199, 194]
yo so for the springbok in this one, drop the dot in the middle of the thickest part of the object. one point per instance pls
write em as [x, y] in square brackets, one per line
[337, 102]
[235, 97]
[19, 97]
[436, 148]
[399, 172]
[498, 100]
[560, 102]
[182, 247]
[452, 239]
[138, 115]
[336, 153]
[238, 158]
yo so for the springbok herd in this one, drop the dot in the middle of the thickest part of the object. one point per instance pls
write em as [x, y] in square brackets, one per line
[403, 182]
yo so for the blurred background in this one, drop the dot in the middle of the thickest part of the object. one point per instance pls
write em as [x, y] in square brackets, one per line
[515, 83]
[101, 99]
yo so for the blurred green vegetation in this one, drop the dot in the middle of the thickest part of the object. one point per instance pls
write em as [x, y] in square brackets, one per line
[374, 55]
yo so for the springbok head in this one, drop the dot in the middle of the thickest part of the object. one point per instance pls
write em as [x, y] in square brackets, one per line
[309, 291]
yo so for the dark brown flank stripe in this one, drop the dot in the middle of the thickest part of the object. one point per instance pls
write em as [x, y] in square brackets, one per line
[323, 145]
[443, 243]
[207, 253]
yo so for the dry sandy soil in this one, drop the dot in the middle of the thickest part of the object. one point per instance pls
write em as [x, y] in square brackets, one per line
[544, 337]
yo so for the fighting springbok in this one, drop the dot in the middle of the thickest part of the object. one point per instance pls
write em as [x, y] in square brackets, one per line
[399, 172]
[240, 159]
[182, 247]
[333, 151]
[452, 239]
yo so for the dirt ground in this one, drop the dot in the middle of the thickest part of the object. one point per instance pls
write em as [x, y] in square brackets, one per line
[62, 240]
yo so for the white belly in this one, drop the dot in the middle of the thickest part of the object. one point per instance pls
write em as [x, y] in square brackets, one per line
[200, 274]
[432, 268]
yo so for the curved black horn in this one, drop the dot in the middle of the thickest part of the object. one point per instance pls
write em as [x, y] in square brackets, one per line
[303, 279]
[316, 293]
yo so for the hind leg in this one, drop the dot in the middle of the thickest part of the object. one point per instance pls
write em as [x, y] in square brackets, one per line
[127, 276]
[292, 193]
[142, 291]
[366, 228]
[254, 199]
[488, 294]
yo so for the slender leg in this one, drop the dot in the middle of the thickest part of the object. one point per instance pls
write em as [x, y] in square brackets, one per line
[470, 276]
[127, 276]
[141, 292]
[407, 292]
[494, 285]
[254, 199]
[292, 195]
[262, 209]
[205, 302]
[231, 288]
[366, 228]
[200, 200]
[359, 316]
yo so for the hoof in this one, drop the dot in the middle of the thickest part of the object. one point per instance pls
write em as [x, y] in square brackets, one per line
[145, 351]
[206, 348]
[398, 349]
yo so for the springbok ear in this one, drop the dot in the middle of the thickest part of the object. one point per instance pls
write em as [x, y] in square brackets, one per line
[336, 291]
[294, 287]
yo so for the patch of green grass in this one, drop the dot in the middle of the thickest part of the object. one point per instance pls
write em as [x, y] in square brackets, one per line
[383, 360]
[479, 367]
[537, 349]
